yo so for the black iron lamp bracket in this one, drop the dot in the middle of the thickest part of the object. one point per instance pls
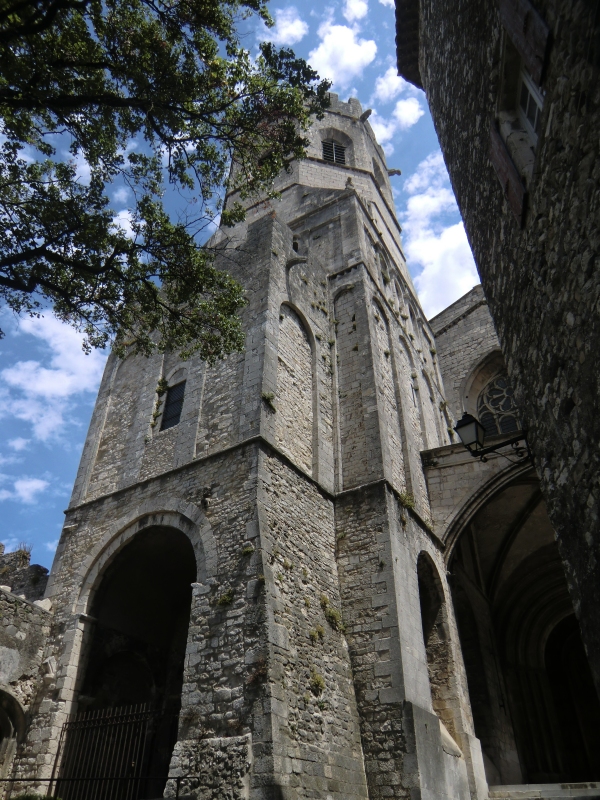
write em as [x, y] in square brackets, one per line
[520, 451]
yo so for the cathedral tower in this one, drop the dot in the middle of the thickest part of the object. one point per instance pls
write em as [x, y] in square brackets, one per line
[247, 571]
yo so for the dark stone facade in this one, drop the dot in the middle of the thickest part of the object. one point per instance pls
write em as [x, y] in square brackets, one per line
[541, 278]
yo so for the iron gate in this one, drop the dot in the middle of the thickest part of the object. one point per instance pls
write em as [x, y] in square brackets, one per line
[107, 755]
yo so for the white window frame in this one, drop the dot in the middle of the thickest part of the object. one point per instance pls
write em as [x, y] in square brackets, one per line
[536, 94]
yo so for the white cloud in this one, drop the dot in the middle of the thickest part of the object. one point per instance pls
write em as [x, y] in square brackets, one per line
[83, 170]
[51, 546]
[389, 85]
[408, 112]
[18, 444]
[40, 394]
[121, 195]
[289, 27]
[388, 3]
[123, 220]
[25, 490]
[355, 9]
[342, 55]
[435, 238]
[384, 129]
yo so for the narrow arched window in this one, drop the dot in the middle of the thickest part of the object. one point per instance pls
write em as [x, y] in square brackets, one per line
[334, 152]
[173, 405]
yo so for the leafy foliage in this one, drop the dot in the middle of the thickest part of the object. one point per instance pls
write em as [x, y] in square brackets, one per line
[148, 94]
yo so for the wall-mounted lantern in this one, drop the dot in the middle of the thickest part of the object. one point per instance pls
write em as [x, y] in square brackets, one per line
[472, 434]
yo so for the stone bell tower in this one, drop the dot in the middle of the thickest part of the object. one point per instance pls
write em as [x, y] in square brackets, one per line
[285, 484]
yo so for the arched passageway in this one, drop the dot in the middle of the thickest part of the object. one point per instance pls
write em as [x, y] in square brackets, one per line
[131, 673]
[534, 706]
[436, 638]
[12, 729]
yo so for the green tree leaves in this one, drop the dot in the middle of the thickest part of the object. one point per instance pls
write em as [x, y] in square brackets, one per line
[172, 76]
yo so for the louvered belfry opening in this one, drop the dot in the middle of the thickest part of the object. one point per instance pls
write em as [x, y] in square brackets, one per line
[334, 152]
[118, 745]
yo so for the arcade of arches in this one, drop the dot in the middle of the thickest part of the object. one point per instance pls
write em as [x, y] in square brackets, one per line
[534, 706]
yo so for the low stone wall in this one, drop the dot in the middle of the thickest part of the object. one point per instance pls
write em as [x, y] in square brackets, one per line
[21, 577]
[24, 628]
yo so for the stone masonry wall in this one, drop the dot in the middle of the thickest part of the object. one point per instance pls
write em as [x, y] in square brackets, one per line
[313, 172]
[414, 432]
[464, 337]
[378, 546]
[386, 388]
[220, 768]
[252, 665]
[316, 739]
[220, 527]
[351, 396]
[222, 405]
[294, 397]
[24, 628]
[541, 281]
[22, 578]
[366, 582]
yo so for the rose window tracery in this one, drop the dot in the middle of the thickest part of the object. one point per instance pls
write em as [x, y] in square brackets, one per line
[496, 407]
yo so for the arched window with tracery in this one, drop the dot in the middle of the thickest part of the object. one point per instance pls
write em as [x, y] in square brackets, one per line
[496, 407]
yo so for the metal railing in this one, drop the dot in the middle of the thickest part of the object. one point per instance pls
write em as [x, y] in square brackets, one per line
[109, 754]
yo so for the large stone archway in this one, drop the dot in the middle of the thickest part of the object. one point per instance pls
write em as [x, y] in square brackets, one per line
[512, 604]
[130, 673]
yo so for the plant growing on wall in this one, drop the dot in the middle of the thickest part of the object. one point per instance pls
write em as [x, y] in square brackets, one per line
[332, 615]
[226, 598]
[407, 500]
[316, 682]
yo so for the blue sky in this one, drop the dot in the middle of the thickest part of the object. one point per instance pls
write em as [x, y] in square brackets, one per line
[47, 384]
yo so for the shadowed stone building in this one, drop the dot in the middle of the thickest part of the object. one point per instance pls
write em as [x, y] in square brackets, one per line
[280, 577]
[514, 91]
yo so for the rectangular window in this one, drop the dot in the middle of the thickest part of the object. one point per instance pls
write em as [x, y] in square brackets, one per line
[530, 103]
[334, 152]
[173, 406]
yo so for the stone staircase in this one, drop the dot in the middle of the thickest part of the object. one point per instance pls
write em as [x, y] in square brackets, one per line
[545, 791]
